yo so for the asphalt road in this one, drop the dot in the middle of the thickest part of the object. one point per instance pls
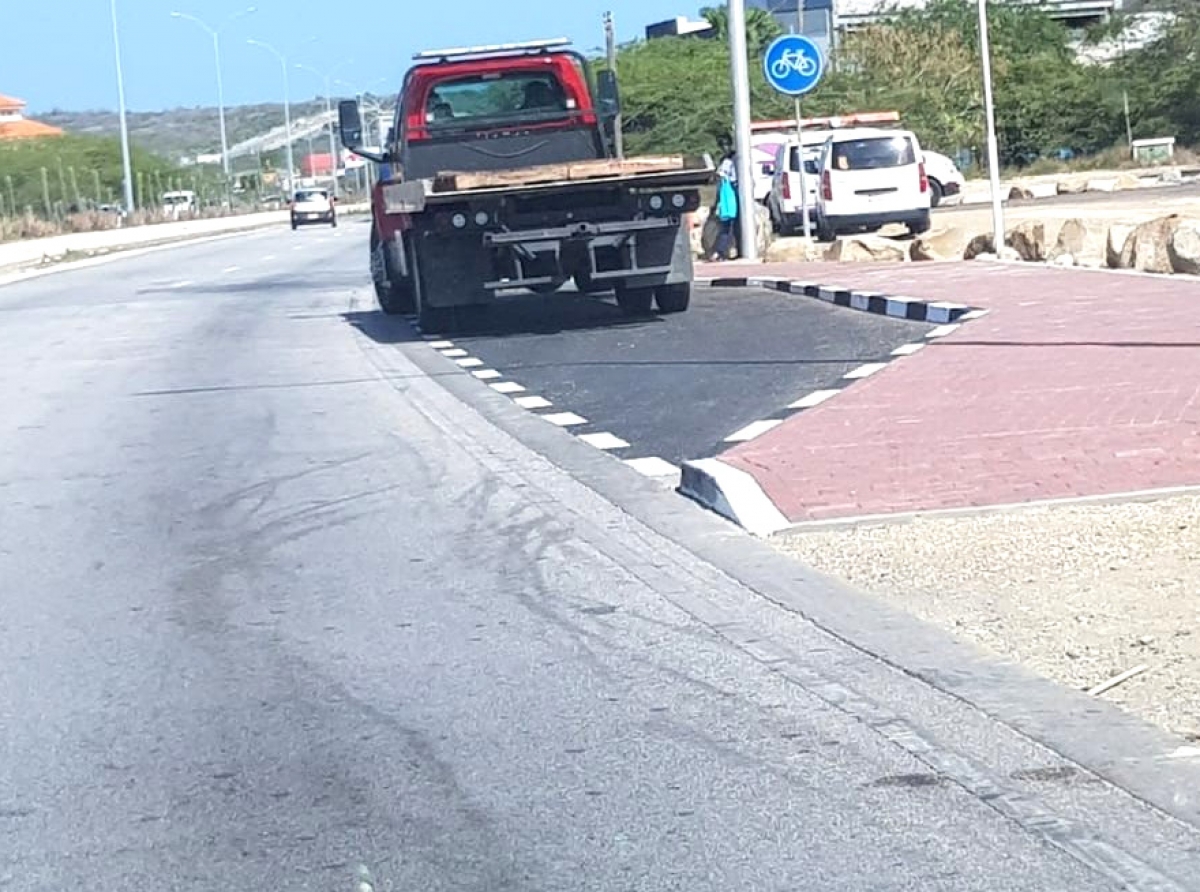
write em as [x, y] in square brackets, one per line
[676, 387]
[278, 605]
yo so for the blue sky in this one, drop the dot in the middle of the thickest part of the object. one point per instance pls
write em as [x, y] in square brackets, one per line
[61, 54]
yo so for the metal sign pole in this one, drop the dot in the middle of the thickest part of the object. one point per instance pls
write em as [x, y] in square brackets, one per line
[803, 172]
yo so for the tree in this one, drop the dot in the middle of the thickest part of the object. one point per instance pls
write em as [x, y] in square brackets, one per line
[761, 27]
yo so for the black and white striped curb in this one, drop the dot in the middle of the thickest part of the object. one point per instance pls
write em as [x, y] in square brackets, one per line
[583, 429]
[938, 312]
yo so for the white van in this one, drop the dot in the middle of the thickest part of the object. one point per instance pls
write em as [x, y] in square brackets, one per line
[870, 178]
[783, 201]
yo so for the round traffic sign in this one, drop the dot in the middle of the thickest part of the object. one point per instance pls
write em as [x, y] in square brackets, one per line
[793, 64]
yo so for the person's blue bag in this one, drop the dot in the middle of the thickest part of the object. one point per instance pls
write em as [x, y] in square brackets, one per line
[727, 205]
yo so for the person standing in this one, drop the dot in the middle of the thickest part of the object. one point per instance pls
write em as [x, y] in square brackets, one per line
[727, 206]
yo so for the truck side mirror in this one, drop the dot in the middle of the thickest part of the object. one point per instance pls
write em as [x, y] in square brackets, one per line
[350, 124]
[608, 94]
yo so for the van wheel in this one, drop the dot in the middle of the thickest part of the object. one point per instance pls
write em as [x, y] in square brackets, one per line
[635, 301]
[920, 225]
[936, 192]
[673, 298]
[825, 232]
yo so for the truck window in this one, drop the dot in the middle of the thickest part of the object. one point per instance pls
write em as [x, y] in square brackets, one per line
[491, 98]
[873, 153]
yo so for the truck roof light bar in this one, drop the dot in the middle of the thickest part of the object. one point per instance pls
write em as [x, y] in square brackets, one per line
[498, 49]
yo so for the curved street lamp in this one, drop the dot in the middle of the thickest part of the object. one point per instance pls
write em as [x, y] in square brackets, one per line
[126, 165]
[287, 103]
[215, 34]
[327, 77]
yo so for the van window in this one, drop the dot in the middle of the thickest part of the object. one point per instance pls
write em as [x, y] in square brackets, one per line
[810, 161]
[873, 153]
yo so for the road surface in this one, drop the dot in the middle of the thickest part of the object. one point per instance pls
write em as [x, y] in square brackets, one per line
[284, 600]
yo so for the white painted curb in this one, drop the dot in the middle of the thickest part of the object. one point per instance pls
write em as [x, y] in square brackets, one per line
[733, 494]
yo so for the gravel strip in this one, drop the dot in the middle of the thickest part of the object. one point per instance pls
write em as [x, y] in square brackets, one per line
[1077, 593]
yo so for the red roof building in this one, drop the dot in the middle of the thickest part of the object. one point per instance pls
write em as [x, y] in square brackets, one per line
[14, 124]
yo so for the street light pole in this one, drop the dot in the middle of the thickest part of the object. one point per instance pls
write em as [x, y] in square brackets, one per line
[215, 34]
[739, 70]
[328, 78]
[287, 106]
[993, 148]
[126, 165]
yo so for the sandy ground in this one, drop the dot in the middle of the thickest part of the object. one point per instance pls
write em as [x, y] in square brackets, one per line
[1078, 593]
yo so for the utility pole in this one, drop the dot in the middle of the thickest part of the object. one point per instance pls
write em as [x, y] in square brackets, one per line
[287, 108]
[993, 148]
[741, 124]
[610, 43]
[126, 166]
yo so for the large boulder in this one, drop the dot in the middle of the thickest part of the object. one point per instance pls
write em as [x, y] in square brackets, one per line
[867, 249]
[1184, 248]
[979, 244]
[795, 250]
[1082, 241]
[1146, 247]
[939, 244]
[699, 223]
[1118, 235]
[1071, 187]
[1028, 239]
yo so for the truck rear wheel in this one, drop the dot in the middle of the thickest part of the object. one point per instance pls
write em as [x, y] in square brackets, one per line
[673, 298]
[635, 301]
[396, 296]
[432, 320]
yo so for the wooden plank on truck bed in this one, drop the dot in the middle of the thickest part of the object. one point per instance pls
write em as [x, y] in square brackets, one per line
[602, 168]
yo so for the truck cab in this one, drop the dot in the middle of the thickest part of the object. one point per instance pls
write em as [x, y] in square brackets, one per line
[499, 173]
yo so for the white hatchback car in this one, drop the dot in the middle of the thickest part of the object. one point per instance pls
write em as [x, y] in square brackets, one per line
[870, 178]
[313, 206]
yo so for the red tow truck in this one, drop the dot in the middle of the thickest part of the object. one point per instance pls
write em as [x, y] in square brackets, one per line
[499, 173]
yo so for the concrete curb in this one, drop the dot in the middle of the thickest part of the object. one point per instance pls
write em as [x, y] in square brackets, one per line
[735, 494]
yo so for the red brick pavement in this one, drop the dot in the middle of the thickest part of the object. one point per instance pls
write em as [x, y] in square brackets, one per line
[1076, 383]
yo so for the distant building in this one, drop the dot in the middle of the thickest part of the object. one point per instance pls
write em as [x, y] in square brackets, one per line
[680, 26]
[14, 124]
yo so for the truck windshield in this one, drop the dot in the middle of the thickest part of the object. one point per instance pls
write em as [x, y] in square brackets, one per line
[496, 98]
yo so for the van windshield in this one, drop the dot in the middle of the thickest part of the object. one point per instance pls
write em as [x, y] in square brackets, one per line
[874, 153]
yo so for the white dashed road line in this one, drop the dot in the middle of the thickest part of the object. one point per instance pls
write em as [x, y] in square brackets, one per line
[470, 362]
[814, 399]
[865, 371]
[508, 387]
[231, 269]
[604, 441]
[755, 429]
[532, 402]
[653, 466]
[565, 419]
[487, 374]
[454, 352]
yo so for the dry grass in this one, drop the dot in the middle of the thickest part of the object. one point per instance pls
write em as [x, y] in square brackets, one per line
[30, 226]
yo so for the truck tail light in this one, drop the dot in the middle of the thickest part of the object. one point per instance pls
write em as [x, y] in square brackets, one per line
[826, 186]
[924, 178]
[787, 188]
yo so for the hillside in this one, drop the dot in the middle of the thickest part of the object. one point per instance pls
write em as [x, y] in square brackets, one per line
[185, 132]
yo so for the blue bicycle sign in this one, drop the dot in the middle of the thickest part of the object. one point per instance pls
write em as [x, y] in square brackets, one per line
[793, 64]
